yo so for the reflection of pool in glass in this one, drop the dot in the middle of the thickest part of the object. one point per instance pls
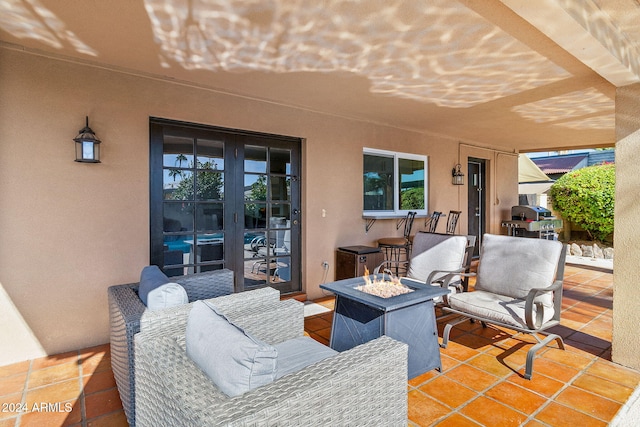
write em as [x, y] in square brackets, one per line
[181, 245]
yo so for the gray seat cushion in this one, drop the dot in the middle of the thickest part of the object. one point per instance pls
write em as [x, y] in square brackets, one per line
[298, 353]
[499, 308]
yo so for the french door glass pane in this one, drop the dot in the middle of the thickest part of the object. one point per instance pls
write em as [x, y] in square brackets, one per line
[280, 161]
[255, 159]
[255, 215]
[177, 184]
[280, 188]
[178, 216]
[255, 187]
[209, 217]
[411, 184]
[210, 154]
[210, 185]
[280, 213]
[177, 152]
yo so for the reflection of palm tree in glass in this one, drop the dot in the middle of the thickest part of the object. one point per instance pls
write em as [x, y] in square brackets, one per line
[174, 173]
[180, 158]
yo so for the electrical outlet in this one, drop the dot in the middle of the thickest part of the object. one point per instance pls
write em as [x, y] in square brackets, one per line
[325, 264]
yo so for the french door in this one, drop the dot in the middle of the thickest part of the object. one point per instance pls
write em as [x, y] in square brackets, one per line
[223, 198]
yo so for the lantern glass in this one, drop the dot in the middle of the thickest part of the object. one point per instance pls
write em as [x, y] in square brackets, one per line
[87, 150]
[457, 176]
[87, 145]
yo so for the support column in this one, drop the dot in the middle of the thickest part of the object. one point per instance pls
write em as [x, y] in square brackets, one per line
[626, 271]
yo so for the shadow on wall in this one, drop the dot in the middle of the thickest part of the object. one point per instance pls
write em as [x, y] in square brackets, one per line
[18, 340]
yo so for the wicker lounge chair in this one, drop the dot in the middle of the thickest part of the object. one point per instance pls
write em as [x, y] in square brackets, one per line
[125, 311]
[366, 385]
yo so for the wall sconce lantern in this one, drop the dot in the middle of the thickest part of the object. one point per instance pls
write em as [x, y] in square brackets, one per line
[457, 175]
[87, 145]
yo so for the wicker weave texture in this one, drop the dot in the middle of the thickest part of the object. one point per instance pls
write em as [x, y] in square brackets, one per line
[178, 315]
[125, 312]
[364, 386]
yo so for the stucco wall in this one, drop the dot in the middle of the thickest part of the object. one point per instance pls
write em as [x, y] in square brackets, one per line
[70, 230]
[626, 291]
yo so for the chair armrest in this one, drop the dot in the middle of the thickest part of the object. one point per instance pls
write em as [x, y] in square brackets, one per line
[532, 298]
[158, 319]
[345, 389]
[389, 263]
[209, 284]
[446, 278]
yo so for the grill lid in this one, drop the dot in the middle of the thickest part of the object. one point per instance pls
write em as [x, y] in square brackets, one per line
[531, 213]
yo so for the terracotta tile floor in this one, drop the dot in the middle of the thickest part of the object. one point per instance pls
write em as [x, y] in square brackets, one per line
[70, 389]
[481, 381]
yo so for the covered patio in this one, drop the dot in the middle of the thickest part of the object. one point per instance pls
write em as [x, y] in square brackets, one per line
[481, 381]
[451, 82]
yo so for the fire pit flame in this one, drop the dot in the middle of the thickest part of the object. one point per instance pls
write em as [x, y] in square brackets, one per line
[381, 287]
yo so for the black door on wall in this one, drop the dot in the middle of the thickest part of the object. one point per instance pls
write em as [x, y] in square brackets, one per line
[223, 198]
[476, 200]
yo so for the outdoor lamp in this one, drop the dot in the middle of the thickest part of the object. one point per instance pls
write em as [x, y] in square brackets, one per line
[87, 145]
[457, 175]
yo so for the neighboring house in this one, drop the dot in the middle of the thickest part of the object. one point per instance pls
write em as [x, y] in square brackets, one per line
[533, 188]
[556, 166]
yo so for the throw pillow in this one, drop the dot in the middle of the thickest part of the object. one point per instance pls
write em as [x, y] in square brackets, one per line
[235, 361]
[150, 278]
[167, 295]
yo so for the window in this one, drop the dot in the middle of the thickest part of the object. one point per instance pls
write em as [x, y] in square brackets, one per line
[394, 183]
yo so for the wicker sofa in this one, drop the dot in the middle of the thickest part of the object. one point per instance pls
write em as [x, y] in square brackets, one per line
[126, 310]
[364, 386]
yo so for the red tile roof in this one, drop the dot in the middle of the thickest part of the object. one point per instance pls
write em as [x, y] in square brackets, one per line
[559, 164]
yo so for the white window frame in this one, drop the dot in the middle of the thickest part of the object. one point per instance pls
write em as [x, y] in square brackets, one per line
[397, 212]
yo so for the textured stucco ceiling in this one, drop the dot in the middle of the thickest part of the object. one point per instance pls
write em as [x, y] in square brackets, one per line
[523, 75]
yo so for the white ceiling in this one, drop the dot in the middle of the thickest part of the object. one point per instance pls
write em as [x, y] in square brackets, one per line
[522, 74]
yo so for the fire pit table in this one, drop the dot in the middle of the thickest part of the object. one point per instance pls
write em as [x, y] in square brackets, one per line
[360, 317]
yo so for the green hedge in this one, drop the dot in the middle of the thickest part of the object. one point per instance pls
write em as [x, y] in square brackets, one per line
[586, 197]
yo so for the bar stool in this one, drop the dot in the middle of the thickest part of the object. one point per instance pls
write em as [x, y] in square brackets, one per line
[452, 221]
[397, 249]
[431, 222]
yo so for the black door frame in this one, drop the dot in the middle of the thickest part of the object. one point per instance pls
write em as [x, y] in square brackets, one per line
[234, 194]
[476, 199]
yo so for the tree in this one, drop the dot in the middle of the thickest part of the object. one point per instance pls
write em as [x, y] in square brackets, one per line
[412, 199]
[209, 184]
[586, 197]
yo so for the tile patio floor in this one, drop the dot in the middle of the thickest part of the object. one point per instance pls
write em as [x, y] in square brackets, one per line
[481, 382]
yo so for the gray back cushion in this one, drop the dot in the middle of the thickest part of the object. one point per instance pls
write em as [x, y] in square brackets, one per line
[512, 266]
[151, 278]
[432, 251]
[234, 360]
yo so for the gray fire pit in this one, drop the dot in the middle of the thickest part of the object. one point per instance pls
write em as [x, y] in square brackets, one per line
[360, 317]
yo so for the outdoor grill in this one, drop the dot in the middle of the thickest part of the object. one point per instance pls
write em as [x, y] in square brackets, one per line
[532, 221]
